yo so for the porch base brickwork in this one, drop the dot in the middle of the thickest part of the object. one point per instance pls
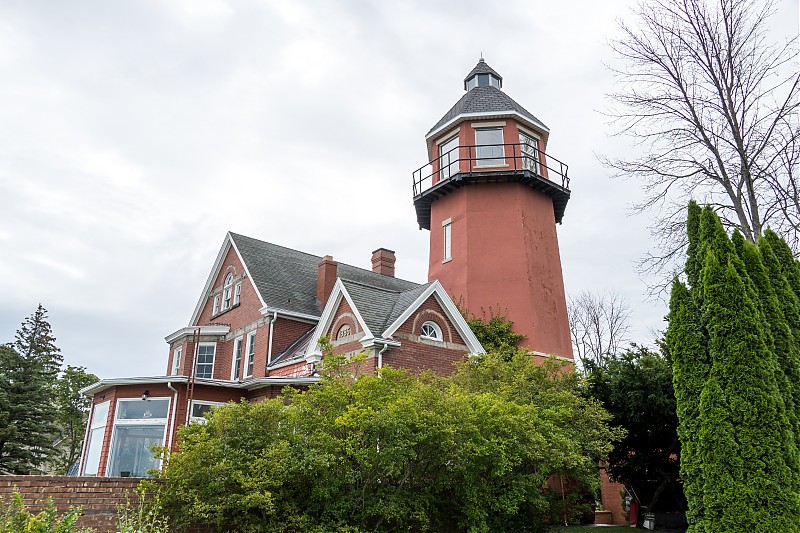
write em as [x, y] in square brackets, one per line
[98, 497]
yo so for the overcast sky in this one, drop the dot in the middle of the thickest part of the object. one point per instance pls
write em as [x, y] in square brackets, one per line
[134, 134]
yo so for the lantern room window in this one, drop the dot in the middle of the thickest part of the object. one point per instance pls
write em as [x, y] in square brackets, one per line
[490, 147]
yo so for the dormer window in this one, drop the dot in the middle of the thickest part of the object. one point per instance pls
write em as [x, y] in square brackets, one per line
[237, 293]
[431, 330]
[227, 292]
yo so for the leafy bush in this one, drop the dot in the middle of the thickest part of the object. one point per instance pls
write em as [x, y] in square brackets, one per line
[146, 516]
[475, 452]
[15, 518]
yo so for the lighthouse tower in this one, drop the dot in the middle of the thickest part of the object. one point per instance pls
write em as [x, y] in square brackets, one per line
[491, 197]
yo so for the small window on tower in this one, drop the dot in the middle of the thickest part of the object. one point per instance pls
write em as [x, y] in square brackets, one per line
[344, 331]
[448, 238]
[431, 330]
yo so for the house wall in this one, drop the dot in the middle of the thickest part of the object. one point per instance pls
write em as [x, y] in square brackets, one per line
[417, 353]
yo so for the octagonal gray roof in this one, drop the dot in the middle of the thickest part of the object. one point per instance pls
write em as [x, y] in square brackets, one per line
[488, 100]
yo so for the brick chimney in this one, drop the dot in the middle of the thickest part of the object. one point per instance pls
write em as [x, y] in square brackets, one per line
[383, 262]
[326, 278]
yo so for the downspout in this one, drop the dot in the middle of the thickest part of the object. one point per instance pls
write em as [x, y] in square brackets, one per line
[269, 350]
[174, 414]
[380, 354]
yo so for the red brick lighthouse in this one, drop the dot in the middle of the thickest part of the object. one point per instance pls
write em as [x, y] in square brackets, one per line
[491, 198]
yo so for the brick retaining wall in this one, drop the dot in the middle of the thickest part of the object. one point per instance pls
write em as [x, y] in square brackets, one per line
[98, 497]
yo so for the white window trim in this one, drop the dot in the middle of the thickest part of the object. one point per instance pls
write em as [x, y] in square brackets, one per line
[446, 171]
[439, 336]
[136, 422]
[227, 292]
[447, 241]
[478, 163]
[91, 426]
[176, 361]
[488, 125]
[251, 343]
[200, 419]
[215, 310]
[238, 341]
[448, 137]
[237, 293]
[213, 362]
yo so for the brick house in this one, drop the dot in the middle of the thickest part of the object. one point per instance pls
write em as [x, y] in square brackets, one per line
[489, 195]
[254, 331]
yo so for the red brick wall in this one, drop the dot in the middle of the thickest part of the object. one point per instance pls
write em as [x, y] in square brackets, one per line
[611, 496]
[285, 331]
[419, 356]
[98, 497]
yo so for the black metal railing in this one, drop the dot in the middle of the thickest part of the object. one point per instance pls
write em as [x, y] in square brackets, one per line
[485, 158]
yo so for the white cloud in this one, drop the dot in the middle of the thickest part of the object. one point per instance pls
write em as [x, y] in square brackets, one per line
[135, 134]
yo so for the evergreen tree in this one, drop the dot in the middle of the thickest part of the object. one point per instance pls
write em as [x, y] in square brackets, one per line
[35, 340]
[735, 369]
[73, 413]
[27, 413]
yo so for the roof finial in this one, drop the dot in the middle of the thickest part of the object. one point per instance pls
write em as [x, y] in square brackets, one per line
[481, 59]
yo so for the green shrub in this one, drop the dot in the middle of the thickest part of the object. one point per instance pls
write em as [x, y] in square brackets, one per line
[146, 516]
[15, 518]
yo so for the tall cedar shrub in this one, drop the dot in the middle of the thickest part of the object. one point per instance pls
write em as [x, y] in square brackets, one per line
[728, 337]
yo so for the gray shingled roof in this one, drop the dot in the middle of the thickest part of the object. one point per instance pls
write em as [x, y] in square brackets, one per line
[487, 100]
[482, 68]
[380, 306]
[287, 278]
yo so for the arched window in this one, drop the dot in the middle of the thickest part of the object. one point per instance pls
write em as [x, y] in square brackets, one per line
[227, 290]
[431, 330]
[344, 331]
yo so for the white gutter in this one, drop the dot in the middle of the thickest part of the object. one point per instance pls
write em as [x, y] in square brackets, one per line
[286, 312]
[269, 350]
[211, 331]
[174, 414]
[380, 354]
[104, 384]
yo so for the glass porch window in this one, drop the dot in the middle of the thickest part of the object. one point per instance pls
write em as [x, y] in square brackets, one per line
[97, 430]
[139, 426]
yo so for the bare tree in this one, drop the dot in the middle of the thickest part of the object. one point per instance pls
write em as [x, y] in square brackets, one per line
[715, 105]
[599, 324]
